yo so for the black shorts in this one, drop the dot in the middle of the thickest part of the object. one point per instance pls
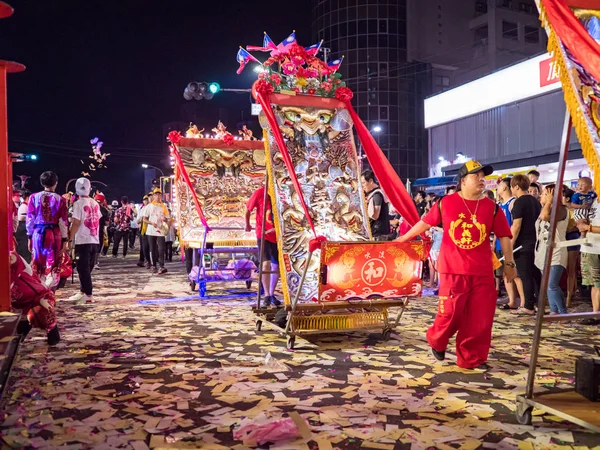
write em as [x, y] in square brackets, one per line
[271, 251]
[572, 235]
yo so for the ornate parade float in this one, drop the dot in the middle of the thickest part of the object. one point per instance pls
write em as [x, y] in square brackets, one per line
[573, 28]
[334, 277]
[215, 175]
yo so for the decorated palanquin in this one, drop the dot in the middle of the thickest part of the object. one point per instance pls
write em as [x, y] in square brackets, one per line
[318, 201]
[321, 147]
[573, 28]
[214, 178]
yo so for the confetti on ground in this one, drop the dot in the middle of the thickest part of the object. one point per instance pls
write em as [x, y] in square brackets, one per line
[187, 374]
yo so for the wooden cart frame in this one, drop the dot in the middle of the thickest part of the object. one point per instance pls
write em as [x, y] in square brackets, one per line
[310, 318]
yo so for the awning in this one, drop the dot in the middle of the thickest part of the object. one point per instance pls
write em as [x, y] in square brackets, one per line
[434, 181]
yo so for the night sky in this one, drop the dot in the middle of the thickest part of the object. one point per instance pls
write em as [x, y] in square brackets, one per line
[117, 70]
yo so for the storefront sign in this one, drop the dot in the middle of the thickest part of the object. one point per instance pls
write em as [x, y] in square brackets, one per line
[549, 72]
[528, 79]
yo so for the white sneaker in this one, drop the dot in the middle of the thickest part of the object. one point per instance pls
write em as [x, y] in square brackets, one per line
[76, 297]
[88, 299]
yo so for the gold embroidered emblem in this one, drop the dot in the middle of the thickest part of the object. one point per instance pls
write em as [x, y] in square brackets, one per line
[462, 233]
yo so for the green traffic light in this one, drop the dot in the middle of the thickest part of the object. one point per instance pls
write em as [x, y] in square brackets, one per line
[214, 88]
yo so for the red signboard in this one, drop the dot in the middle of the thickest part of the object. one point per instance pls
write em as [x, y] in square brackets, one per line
[365, 270]
[549, 72]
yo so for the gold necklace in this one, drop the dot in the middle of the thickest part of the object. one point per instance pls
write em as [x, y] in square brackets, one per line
[473, 214]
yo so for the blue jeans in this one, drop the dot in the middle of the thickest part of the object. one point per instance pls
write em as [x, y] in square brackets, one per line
[556, 297]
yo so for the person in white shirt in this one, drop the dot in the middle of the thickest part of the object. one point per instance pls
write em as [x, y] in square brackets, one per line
[158, 220]
[590, 257]
[134, 225]
[144, 247]
[21, 234]
[84, 236]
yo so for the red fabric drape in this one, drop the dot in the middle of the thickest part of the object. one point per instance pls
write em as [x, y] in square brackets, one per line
[384, 172]
[573, 35]
[186, 178]
[287, 159]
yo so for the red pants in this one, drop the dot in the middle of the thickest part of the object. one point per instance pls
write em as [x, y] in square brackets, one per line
[467, 305]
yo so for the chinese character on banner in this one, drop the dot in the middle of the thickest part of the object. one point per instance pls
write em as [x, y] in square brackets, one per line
[373, 271]
[549, 72]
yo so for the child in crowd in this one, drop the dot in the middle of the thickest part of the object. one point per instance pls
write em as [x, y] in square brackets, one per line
[582, 200]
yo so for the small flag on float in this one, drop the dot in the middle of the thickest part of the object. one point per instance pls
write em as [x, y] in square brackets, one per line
[313, 49]
[268, 42]
[335, 64]
[268, 45]
[287, 42]
[243, 57]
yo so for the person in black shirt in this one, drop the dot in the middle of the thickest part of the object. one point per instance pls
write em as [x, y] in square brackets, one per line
[377, 207]
[526, 210]
[420, 202]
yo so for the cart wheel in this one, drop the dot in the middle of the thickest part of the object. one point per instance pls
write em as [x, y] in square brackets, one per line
[202, 289]
[291, 341]
[523, 414]
[386, 334]
[258, 325]
[248, 284]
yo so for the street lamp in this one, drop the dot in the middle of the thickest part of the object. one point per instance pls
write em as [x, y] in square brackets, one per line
[377, 129]
[150, 166]
[147, 166]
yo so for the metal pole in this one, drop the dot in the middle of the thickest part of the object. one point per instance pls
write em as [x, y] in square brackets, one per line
[297, 296]
[556, 202]
[4, 198]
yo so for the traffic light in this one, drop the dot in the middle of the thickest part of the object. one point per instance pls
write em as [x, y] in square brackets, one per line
[198, 90]
[214, 88]
[22, 157]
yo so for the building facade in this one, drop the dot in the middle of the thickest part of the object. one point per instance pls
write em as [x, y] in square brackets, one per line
[467, 39]
[516, 127]
[388, 90]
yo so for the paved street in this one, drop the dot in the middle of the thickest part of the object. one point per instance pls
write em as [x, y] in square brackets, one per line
[184, 374]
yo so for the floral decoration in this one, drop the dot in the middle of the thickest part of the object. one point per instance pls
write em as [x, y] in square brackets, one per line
[174, 137]
[294, 68]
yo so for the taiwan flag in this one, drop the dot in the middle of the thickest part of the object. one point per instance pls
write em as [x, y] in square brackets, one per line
[313, 49]
[335, 65]
[243, 57]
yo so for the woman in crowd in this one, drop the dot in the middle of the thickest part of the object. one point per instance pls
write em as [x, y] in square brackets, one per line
[556, 297]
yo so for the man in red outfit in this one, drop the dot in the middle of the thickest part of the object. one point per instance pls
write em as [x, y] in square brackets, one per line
[270, 264]
[467, 295]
